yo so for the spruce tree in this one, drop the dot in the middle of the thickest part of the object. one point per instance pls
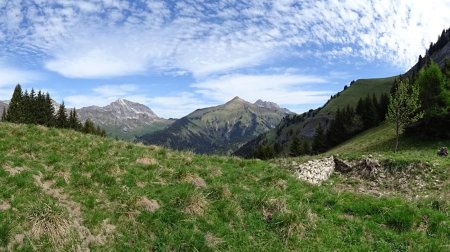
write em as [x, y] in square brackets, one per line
[48, 111]
[434, 94]
[15, 113]
[73, 122]
[295, 149]
[383, 106]
[320, 140]
[61, 117]
[306, 148]
[369, 113]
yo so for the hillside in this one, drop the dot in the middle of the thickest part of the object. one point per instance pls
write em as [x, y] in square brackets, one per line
[220, 129]
[99, 194]
[124, 119]
[304, 125]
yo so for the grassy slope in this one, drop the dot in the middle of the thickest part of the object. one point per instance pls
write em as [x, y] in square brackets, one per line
[359, 89]
[350, 96]
[230, 211]
[131, 136]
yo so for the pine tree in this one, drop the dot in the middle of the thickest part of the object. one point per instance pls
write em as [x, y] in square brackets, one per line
[295, 148]
[306, 148]
[376, 105]
[434, 94]
[383, 106]
[320, 140]
[26, 108]
[48, 111]
[73, 121]
[61, 117]
[14, 113]
[88, 127]
[370, 113]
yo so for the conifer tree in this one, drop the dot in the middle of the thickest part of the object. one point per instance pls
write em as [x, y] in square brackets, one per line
[61, 117]
[88, 127]
[306, 148]
[73, 122]
[320, 140]
[383, 106]
[15, 113]
[48, 114]
[295, 148]
[434, 94]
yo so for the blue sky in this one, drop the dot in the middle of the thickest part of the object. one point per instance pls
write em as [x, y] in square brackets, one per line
[177, 56]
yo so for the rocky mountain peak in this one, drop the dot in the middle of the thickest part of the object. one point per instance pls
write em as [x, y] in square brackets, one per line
[271, 105]
[122, 114]
[267, 104]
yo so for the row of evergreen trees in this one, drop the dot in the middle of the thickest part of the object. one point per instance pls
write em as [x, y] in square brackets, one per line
[37, 108]
[434, 86]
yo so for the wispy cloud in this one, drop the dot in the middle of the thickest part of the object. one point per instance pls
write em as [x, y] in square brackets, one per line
[282, 88]
[103, 38]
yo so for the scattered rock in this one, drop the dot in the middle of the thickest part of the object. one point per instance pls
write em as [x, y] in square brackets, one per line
[443, 152]
[315, 171]
[149, 205]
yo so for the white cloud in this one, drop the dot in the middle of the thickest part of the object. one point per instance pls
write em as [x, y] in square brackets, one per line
[11, 76]
[104, 38]
[283, 88]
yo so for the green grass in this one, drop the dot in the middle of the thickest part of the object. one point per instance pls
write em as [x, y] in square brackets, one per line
[359, 89]
[243, 205]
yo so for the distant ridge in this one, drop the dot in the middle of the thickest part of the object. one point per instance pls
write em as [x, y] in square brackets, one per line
[124, 118]
[221, 129]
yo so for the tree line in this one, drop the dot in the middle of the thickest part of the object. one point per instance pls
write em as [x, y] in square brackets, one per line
[37, 108]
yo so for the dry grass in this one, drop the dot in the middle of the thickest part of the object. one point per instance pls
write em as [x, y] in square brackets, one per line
[149, 205]
[146, 161]
[195, 180]
[48, 220]
[196, 205]
[212, 242]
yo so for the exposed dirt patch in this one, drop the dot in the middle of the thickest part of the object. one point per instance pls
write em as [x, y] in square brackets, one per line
[4, 205]
[149, 205]
[146, 161]
[106, 233]
[13, 170]
[74, 210]
[195, 180]
[378, 178]
[17, 240]
[140, 184]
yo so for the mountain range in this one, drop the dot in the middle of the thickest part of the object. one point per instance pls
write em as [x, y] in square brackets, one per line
[220, 129]
[124, 119]
[304, 126]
